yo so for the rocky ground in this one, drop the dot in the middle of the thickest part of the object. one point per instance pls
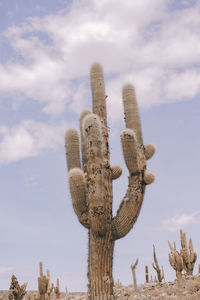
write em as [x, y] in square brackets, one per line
[188, 290]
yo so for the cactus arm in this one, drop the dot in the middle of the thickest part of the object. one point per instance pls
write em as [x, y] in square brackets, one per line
[77, 187]
[99, 104]
[129, 208]
[193, 255]
[131, 204]
[83, 140]
[132, 118]
[72, 148]
[149, 150]
[133, 267]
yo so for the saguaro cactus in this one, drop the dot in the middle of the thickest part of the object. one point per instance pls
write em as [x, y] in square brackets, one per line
[91, 185]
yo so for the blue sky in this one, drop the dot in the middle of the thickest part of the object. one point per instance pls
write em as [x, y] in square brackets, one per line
[46, 49]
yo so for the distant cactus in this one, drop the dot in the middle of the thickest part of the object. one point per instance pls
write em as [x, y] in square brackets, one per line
[42, 284]
[176, 261]
[160, 274]
[57, 290]
[16, 292]
[91, 186]
[188, 255]
[50, 286]
[147, 274]
[133, 267]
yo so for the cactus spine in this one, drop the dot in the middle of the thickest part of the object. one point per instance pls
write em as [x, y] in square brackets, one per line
[91, 186]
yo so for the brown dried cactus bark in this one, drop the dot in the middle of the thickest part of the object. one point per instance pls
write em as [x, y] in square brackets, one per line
[42, 284]
[133, 267]
[160, 274]
[176, 262]
[146, 274]
[16, 291]
[91, 185]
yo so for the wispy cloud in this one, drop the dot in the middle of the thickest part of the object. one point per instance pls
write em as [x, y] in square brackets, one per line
[29, 139]
[145, 42]
[7, 269]
[179, 221]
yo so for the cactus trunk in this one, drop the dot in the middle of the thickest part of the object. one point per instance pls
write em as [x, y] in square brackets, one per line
[100, 267]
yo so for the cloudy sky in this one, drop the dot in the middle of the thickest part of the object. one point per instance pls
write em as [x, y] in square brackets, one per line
[46, 49]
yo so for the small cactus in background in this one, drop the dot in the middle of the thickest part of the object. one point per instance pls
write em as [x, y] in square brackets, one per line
[146, 274]
[176, 261]
[50, 286]
[57, 290]
[42, 284]
[189, 256]
[133, 267]
[160, 274]
[16, 292]
[91, 182]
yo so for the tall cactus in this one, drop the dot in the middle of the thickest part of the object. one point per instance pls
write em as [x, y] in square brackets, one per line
[188, 255]
[91, 185]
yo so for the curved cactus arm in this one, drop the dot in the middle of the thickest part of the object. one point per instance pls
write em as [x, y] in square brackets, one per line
[99, 104]
[83, 139]
[129, 208]
[132, 118]
[72, 148]
[133, 266]
[134, 155]
[77, 186]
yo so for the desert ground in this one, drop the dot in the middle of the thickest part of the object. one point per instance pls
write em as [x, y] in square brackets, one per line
[189, 289]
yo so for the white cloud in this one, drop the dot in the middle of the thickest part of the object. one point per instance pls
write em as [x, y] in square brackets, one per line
[29, 139]
[178, 222]
[142, 42]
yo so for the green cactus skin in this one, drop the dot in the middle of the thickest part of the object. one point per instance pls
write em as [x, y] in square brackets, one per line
[91, 187]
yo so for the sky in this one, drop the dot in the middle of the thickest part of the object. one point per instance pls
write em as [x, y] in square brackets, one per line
[46, 50]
